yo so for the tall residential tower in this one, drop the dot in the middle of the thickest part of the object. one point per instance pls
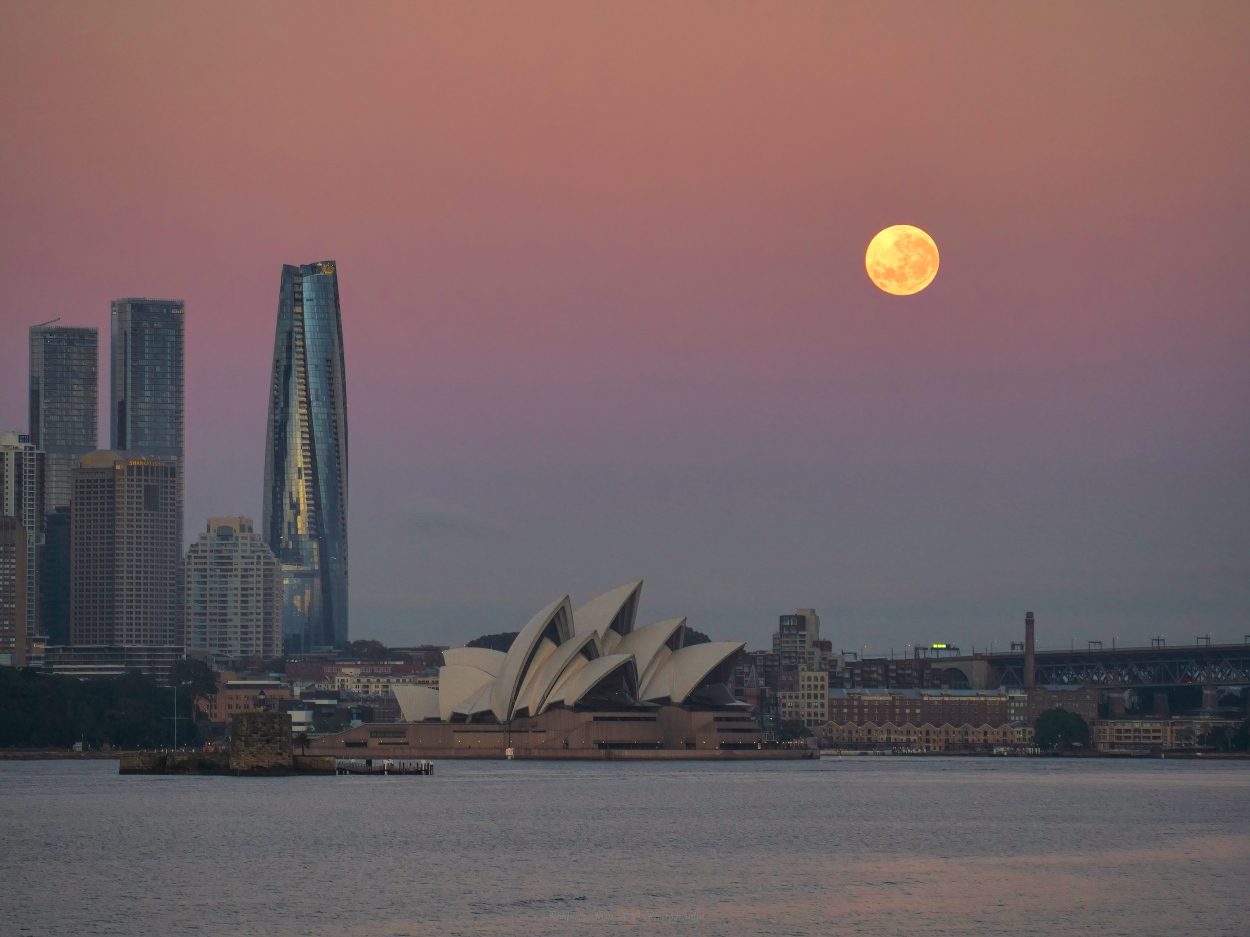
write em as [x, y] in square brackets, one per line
[305, 499]
[124, 551]
[21, 497]
[64, 380]
[232, 593]
[14, 640]
[146, 402]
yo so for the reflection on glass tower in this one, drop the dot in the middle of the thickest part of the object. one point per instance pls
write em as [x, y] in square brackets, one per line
[146, 410]
[64, 368]
[306, 458]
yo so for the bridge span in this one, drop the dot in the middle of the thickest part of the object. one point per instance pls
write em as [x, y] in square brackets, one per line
[1161, 666]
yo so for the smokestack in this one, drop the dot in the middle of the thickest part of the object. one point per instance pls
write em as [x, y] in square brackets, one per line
[1030, 664]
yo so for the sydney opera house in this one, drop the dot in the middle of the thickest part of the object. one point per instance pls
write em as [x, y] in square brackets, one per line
[574, 683]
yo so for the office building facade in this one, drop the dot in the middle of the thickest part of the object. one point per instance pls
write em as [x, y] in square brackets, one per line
[305, 498]
[13, 635]
[146, 410]
[21, 496]
[232, 594]
[64, 400]
[124, 551]
[54, 575]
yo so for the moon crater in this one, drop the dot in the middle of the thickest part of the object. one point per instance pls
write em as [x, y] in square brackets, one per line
[901, 260]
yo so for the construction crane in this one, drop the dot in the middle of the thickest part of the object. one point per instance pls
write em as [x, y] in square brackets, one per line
[39, 325]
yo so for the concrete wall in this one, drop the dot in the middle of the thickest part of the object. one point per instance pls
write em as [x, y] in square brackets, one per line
[669, 728]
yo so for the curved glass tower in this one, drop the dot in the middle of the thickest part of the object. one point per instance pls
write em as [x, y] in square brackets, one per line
[306, 458]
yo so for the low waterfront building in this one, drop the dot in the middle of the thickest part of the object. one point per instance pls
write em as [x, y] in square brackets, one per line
[110, 660]
[976, 707]
[374, 679]
[1153, 733]
[1085, 701]
[240, 696]
[924, 737]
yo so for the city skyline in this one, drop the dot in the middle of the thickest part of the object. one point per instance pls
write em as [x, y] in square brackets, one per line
[610, 322]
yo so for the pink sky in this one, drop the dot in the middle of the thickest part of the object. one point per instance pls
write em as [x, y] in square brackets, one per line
[604, 300]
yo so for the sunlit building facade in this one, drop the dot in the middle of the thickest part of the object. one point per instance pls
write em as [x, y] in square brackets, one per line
[305, 499]
[64, 400]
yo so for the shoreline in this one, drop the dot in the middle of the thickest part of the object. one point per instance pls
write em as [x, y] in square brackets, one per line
[43, 754]
[58, 755]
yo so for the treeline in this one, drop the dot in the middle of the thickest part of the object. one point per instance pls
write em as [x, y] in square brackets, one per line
[131, 711]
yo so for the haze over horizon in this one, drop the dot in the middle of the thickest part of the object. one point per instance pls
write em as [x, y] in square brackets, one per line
[605, 308]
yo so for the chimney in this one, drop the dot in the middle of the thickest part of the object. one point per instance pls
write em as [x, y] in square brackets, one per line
[1030, 664]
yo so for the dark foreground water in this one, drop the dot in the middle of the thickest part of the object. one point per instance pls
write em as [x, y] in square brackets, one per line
[872, 846]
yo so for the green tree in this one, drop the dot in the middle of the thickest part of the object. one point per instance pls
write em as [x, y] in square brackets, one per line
[1060, 730]
[366, 649]
[193, 677]
[792, 730]
[1240, 740]
[1218, 738]
[495, 642]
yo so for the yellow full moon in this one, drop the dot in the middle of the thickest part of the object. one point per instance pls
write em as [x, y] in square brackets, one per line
[902, 260]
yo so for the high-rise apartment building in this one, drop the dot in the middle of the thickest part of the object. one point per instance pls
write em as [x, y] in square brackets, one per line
[13, 635]
[54, 575]
[21, 496]
[124, 551]
[146, 376]
[64, 400]
[795, 638]
[305, 521]
[232, 597]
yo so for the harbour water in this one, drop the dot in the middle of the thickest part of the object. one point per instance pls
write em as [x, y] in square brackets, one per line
[853, 846]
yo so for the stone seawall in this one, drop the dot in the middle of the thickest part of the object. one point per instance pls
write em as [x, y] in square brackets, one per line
[589, 754]
[260, 743]
[260, 746]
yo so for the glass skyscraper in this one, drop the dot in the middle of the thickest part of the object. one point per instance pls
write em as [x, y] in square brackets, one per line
[146, 405]
[305, 521]
[64, 377]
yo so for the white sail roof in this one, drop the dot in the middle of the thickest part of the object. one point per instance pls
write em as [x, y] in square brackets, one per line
[682, 673]
[646, 644]
[456, 684]
[483, 658]
[561, 656]
[541, 679]
[617, 607]
[555, 623]
[590, 676]
[416, 703]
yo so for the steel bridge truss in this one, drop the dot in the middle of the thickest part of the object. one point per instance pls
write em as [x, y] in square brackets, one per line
[1219, 665]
